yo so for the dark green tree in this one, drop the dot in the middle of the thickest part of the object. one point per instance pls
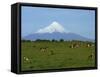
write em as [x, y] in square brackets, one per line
[61, 40]
[53, 40]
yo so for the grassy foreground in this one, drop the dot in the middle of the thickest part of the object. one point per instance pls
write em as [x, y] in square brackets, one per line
[57, 55]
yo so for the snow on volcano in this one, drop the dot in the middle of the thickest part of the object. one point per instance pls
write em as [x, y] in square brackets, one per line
[53, 27]
[55, 31]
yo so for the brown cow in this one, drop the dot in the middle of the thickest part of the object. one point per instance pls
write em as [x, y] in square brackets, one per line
[91, 56]
[43, 49]
[74, 46]
[89, 45]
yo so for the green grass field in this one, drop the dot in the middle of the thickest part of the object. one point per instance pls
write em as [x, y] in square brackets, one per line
[62, 56]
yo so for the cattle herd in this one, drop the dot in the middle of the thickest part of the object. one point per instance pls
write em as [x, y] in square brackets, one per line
[72, 46]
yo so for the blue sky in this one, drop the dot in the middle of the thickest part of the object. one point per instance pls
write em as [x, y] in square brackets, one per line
[77, 21]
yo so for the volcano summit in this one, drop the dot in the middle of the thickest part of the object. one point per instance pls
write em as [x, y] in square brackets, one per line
[55, 31]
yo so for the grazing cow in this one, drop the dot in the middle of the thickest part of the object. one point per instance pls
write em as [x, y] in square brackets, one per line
[26, 59]
[74, 46]
[43, 49]
[91, 56]
[89, 45]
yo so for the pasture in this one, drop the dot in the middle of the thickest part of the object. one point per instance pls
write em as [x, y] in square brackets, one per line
[56, 55]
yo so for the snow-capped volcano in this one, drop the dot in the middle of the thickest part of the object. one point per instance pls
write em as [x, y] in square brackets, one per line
[53, 27]
[55, 31]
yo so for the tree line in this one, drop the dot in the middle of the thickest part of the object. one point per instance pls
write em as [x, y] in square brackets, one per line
[53, 40]
[39, 40]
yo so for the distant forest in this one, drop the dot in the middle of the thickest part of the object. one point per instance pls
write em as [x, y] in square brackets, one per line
[53, 40]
